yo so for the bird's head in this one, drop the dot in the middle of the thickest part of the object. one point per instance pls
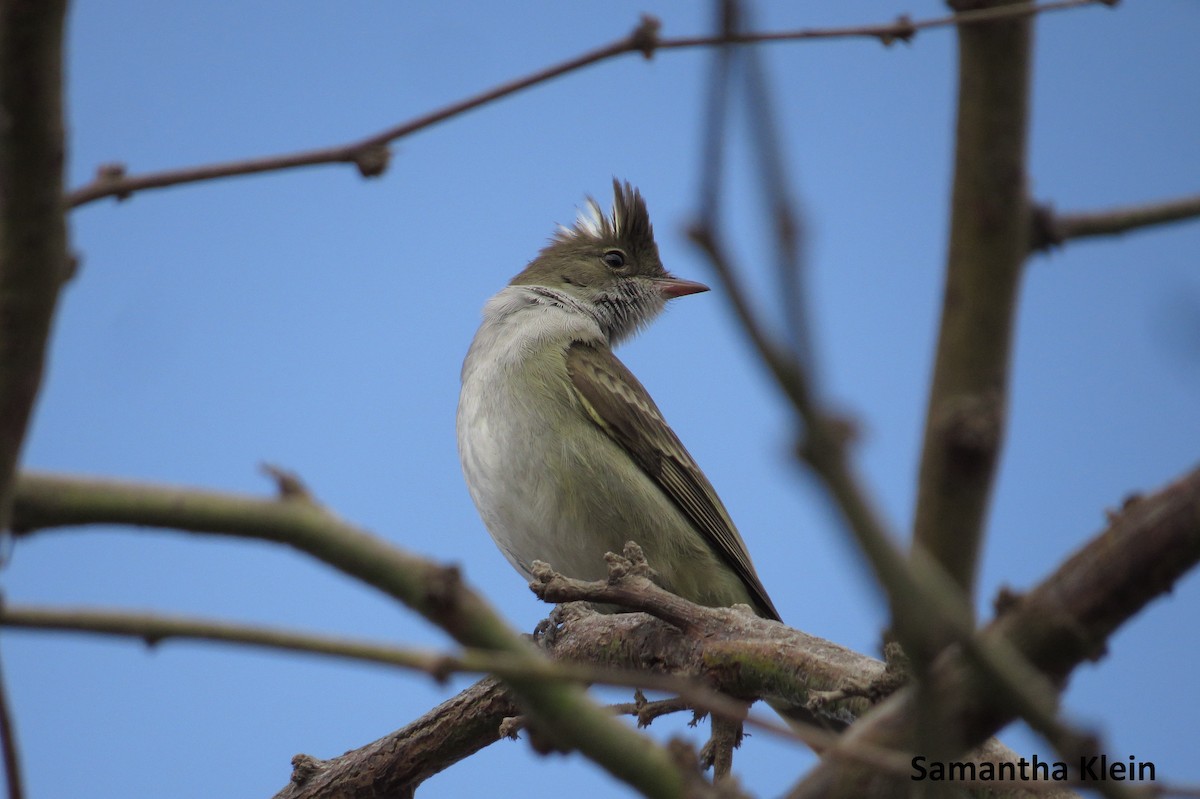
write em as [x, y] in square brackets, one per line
[610, 264]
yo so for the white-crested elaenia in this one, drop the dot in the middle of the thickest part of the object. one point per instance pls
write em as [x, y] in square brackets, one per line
[565, 454]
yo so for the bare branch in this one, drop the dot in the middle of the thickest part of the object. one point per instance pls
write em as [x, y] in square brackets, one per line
[33, 232]
[731, 646]
[1064, 621]
[717, 754]
[965, 419]
[647, 711]
[371, 155]
[1051, 229]
[155, 628]
[436, 592]
[793, 380]
[1149, 543]
[903, 29]
[824, 448]
[824, 437]
[397, 763]
[8, 742]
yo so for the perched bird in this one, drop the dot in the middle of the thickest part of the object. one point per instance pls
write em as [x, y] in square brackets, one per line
[565, 454]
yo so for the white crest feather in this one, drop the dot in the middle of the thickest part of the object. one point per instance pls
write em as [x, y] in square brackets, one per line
[590, 223]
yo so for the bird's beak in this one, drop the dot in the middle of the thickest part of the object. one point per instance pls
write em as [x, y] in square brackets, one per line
[672, 287]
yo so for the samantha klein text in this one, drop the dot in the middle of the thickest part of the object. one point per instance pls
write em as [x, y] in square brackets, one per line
[1098, 768]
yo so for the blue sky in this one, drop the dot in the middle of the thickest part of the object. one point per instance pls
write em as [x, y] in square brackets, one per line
[318, 321]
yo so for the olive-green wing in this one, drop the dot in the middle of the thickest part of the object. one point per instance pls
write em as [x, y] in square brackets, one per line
[623, 409]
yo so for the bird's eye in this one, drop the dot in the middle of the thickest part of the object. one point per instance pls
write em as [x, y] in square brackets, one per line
[614, 259]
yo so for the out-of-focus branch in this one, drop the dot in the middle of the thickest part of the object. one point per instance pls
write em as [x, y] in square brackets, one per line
[784, 211]
[155, 628]
[989, 236]
[437, 593]
[1052, 229]
[823, 437]
[33, 230]
[13, 780]
[1066, 620]
[371, 155]
[1058, 625]
[903, 29]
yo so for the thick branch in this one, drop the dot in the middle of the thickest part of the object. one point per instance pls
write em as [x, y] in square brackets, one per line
[732, 649]
[396, 764]
[1051, 229]
[33, 231]
[989, 234]
[436, 592]
[1063, 622]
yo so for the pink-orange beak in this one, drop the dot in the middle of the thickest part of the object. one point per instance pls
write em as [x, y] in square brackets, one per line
[672, 287]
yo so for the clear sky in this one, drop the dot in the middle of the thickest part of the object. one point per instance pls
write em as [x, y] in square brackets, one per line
[316, 320]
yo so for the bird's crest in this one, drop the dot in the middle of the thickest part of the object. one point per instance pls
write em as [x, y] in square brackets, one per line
[629, 221]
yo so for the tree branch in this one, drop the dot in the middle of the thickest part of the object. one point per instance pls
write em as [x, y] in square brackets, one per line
[989, 234]
[1051, 229]
[734, 649]
[436, 592]
[1066, 620]
[8, 744]
[33, 231]
[395, 765]
[903, 29]
[1062, 622]
[155, 628]
[371, 155]
[823, 438]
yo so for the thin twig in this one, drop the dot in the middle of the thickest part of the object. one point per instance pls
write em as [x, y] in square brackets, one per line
[155, 628]
[647, 711]
[1051, 229]
[716, 111]
[791, 379]
[371, 154]
[787, 221]
[824, 436]
[903, 29]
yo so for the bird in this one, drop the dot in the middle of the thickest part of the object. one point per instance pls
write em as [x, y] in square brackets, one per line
[565, 454]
